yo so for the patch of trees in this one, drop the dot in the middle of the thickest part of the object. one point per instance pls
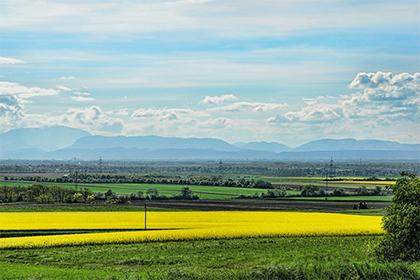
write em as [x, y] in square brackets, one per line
[316, 191]
[54, 194]
[147, 179]
[270, 193]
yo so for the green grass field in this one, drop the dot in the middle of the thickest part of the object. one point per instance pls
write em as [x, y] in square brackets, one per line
[250, 258]
[204, 192]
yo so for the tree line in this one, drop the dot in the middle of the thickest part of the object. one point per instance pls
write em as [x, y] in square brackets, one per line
[147, 179]
[44, 194]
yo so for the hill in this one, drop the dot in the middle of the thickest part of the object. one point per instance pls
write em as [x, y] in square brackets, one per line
[263, 146]
[353, 144]
[40, 138]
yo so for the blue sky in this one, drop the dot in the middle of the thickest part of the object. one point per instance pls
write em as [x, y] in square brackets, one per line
[285, 71]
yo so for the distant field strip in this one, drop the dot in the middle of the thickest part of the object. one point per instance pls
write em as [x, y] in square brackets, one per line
[319, 181]
[164, 226]
[204, 192]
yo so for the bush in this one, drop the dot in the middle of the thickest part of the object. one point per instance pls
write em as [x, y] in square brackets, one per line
[402, 222]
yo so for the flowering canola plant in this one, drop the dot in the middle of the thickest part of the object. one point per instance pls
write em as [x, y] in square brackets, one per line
[189, 225]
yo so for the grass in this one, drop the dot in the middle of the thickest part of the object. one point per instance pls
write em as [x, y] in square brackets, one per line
[246, 258]
[204, 192]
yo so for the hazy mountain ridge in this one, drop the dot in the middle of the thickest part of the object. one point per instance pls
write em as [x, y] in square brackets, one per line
[353, 144]
[40, 138]
[66, 143]
[274, 147]
[152, 142]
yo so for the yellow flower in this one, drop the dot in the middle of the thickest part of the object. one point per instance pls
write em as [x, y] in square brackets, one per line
[179, 226]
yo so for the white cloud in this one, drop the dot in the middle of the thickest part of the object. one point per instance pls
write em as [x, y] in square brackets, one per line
[218, 100]
[165, 114]
[251, 107]
[10, 88]
[63, 88]
[238, 18]
[10, 60]
[82, 96]
[381, 98]
[93, 119]
[11, 111]
[67, 78]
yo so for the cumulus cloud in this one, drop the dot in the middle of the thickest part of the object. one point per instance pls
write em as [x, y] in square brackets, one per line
[380, 97]
[10, 60]
[13, 96]
[92, 118]
[11, 111]
[218, 100]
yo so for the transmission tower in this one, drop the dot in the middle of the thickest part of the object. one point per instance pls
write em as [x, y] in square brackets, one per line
[331, 167]
[100, 163]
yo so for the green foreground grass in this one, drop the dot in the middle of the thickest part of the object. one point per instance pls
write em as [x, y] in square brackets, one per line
[250, 258]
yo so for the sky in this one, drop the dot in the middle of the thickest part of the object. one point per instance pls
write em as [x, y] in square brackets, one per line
[283, 71]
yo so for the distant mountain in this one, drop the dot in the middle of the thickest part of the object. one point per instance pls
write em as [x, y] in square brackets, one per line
[353, 144]
[64, 143]
[152, 143]
[159, 154]
[263, 146]
[40, 138]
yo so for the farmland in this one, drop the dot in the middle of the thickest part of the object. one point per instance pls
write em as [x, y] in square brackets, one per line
[177, 226]
[245, 258]
[193, 245]
[204, 192]
[228, 233]
[344, 182]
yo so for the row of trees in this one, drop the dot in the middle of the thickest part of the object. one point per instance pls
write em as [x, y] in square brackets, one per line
[115, 178]
[55, 194]
[316, 191]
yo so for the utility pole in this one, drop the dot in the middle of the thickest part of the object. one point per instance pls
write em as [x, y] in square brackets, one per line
[145, 215]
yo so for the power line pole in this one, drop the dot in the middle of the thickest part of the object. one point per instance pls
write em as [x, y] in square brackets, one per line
[145, 215]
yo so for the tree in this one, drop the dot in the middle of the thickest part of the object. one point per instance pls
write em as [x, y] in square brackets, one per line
[186, 193]
[402, 222]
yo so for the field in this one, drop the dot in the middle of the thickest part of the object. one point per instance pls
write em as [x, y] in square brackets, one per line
[216, 237]
[204, 192]
[164, 226]
[244, 258]
[219, 192]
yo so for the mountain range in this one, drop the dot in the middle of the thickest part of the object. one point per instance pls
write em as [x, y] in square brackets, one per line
[64, 143]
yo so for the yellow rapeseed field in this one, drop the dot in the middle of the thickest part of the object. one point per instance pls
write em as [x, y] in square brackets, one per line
[179, 226]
